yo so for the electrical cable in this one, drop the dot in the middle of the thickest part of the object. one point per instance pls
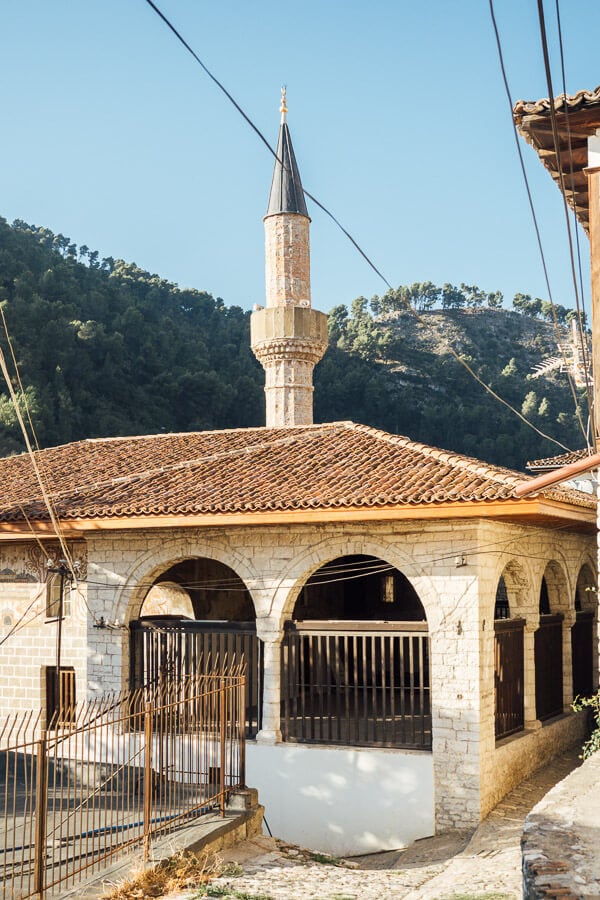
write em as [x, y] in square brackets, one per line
[16, 627]
[413, 312]
[581, 314]
[556, 142]
[45, 495]
[24, 396]
[531, 204]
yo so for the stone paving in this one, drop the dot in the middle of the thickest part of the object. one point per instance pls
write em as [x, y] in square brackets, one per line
[483, 864]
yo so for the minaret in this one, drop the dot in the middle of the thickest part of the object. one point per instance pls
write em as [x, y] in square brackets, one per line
[288, 337]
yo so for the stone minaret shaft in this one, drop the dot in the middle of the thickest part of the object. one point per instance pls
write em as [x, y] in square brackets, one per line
[288, 337]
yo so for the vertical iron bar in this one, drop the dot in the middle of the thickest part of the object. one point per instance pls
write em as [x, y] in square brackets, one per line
[147, 778]
[223, 720]
[41, 805]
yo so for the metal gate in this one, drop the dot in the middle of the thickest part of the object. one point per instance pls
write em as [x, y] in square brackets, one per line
[548, 667]
[168, 650]
[509, 676]
[356, 683]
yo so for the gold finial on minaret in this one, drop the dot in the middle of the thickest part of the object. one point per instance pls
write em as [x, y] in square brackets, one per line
[283, 108]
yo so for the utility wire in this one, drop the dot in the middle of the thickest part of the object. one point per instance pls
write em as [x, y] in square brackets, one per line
[348, 570]
[556, 141]
[15, 627]
[580, 311]
[531, 205]
[321, 206]
[25, 403]
[38, 475]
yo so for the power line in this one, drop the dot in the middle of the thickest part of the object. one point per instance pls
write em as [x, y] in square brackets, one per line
[46, 497]
[532, 207]
[17, 626]
[413, 312]
[556, 141]
[580, 309]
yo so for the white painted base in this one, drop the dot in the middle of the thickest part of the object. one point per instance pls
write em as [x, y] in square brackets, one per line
[342, 800]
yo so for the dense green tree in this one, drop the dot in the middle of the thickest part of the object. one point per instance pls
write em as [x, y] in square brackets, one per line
[106, 348]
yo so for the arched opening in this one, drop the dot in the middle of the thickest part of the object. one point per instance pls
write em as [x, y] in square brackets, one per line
[502, 603]
[358, 588]
[509, 658]
[214, 590]
[582, 634]
[355, 659]
[548, 644]
[197, 617]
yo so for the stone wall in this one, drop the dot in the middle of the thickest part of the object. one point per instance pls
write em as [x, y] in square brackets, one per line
[561, 837]
[32, 646]
[287, 260]
[453, 565]
[274, 563]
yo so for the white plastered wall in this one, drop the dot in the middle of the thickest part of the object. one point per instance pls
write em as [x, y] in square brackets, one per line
[342, 800]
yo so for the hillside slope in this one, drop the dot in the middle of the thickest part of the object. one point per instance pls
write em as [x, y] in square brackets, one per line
[105, 348]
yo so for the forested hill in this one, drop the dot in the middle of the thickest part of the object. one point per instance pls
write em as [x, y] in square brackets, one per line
[105, 348]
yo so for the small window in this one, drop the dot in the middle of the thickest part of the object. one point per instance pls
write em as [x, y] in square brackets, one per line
[502, 607]
[53, 597]
[60, 696]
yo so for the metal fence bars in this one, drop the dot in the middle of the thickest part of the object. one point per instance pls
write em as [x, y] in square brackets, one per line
[163, 650]
[582, 652]
[116, 772]
[356, 683]
[548, 652]
[509, 676]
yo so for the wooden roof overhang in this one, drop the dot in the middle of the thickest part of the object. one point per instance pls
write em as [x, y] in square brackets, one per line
[577, 118]
[538, 511]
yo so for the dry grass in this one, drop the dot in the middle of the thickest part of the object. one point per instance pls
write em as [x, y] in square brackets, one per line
[184, 870]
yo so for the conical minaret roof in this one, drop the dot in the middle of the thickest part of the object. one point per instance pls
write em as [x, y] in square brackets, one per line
[287, 195]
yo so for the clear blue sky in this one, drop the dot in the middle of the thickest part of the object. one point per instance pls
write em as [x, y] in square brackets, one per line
[114, 136]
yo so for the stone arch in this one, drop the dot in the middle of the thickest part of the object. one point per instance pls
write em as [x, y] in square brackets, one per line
[586, 591]
[358, 588]
[287, 588]
[557, 585]
[519, 589]
[584, 657]
[155, 562]
[357, 641]
[552, 645]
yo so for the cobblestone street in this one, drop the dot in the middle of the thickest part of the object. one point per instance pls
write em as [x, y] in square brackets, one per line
[486, 863]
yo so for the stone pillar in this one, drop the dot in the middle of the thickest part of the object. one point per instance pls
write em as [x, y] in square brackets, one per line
[287, 260]
[567, 658]
[270, 732]
[288, 341]
[531, 721]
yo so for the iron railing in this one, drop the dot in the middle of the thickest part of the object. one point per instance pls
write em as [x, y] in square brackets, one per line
[356, 683]
[165, 651]
[548, 667]
[113, 773]
[582, 650]
[509, 676]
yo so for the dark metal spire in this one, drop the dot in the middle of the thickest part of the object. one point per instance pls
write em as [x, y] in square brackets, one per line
[286, 194]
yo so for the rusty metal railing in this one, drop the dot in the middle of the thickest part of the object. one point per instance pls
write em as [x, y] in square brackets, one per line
[112, 773]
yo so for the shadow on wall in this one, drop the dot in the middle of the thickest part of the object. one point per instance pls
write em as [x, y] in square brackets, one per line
[344, 801]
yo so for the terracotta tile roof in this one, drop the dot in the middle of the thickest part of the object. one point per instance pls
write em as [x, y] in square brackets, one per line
[557, 462]
[577, 117]
[337, 465]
